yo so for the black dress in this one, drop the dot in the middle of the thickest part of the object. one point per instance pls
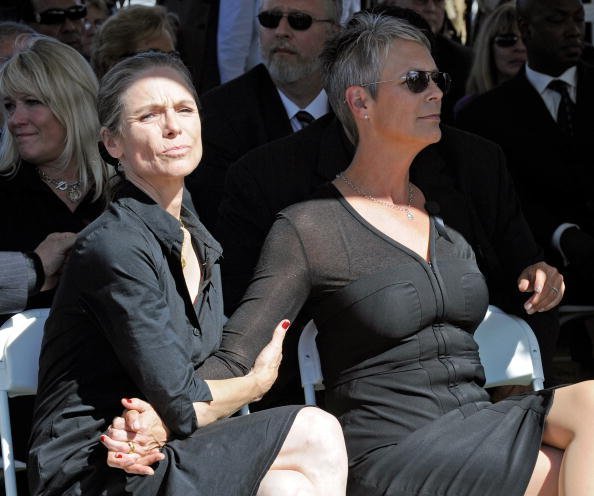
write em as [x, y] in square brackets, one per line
[123, 325]
[401, 367]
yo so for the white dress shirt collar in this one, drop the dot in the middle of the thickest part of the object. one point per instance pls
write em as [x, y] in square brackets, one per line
[317, 108]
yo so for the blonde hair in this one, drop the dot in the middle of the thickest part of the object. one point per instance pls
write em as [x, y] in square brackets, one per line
[483, 73]
[59, 77]
[121, 33]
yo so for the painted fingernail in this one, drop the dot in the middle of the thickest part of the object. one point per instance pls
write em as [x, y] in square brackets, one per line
[118, 455]
[102, 439]
[286, 324]
[127, 400]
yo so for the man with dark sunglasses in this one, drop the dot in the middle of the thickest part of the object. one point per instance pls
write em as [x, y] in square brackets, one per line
[542, 118]
[60, 19]
[271, 100]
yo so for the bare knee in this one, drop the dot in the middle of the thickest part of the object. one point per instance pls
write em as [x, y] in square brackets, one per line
[322, 435]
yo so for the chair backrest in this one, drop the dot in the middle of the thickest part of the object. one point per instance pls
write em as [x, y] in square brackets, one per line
[571, 312]
[309, 363]
[20, 343]
[508, 350]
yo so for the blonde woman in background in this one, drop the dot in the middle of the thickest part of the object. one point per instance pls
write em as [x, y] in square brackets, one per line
[499, 53]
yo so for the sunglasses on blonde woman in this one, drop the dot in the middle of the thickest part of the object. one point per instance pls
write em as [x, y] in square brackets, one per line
[506, 40]
[418, 81]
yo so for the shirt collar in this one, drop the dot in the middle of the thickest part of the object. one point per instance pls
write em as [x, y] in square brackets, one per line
[541, 81]
[317, 108]
[163, 225]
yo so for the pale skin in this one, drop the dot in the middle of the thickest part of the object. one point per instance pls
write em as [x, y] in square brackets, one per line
[381, 166]
[158, 146]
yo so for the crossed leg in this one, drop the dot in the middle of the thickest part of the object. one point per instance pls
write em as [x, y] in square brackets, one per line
[566, 458]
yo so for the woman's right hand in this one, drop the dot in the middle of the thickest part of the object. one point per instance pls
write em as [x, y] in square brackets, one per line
[268, 361]
[133, 440]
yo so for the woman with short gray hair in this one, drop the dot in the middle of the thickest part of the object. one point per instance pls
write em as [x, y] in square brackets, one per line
[396, 296]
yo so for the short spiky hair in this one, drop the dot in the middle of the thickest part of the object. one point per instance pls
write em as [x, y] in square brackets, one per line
[357, 55]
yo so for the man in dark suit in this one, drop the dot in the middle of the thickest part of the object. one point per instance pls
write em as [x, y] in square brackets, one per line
[463, 178]
[271, 100]
[542, 118]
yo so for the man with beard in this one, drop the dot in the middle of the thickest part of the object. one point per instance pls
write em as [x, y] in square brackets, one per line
[270, 101]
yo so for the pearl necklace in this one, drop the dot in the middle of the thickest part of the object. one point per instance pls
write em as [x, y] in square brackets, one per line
[72, 190]
[365, 194]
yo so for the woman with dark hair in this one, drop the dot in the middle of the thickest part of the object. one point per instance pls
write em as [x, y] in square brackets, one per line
[138, 323]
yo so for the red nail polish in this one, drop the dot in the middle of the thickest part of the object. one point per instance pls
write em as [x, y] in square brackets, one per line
[286, 324]
[102, 439]
[127, 400]
[119, 455]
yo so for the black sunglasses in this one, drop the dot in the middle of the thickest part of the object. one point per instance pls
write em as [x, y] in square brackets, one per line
[300, 21]
[59, 16]
[506, 40]
[418, 81]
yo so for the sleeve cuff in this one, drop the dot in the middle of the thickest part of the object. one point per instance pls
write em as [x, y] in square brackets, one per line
[35, 274]
[556, 239]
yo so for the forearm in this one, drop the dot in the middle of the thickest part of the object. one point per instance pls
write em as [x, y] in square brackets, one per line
[229, 395]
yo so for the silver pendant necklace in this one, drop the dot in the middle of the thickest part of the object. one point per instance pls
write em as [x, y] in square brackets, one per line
[365, 194]
[72, 190]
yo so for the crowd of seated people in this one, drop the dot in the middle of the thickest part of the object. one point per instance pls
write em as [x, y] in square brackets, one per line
[472, 159]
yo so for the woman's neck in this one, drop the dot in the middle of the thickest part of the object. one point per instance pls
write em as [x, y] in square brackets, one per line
[168, 195]
[382, 171]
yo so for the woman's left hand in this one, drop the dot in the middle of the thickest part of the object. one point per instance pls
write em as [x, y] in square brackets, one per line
[136, 436]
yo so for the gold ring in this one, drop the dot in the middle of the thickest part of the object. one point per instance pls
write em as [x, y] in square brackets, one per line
[132, 447]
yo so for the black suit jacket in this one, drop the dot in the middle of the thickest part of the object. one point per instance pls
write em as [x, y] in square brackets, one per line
[463, 176]
[554, 173]
[237, 117]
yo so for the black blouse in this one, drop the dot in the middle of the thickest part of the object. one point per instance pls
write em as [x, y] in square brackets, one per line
[30, 210]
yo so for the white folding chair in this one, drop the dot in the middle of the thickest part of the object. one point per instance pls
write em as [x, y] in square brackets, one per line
[20, 342]
[309, 363]
[508, 350]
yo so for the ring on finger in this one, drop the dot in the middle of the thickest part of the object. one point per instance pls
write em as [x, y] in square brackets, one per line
[132, 447]
[555, 290]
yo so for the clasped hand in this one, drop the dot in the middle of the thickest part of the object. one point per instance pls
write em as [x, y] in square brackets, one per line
[134, 440]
